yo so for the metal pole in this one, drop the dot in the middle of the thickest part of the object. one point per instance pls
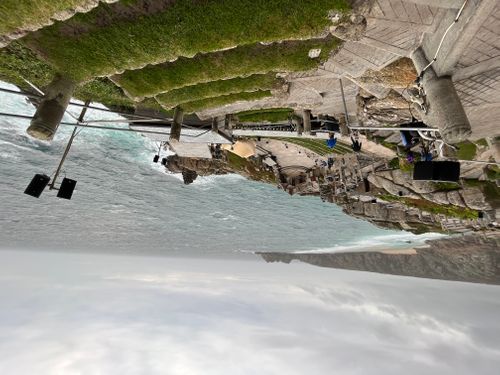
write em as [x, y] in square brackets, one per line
[68, 146]
[345, 105]
[37, 96]
[394, 128]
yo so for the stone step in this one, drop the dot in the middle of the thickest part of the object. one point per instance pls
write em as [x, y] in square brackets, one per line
[355, 58]
[414, 12]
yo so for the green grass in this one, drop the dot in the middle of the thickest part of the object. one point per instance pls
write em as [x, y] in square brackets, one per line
[446, 186]
[237, 62]
[394, 163]
[185, 28]
[17, 62]
[199, 105]
[272, 115]
[482, 142]
[219, 88]
[319, 146]
[493, 172]
[18, 14]
[466, 150]
[438, 209]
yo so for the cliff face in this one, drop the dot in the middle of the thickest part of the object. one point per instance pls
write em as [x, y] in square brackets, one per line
[471, 259]
[191, 168]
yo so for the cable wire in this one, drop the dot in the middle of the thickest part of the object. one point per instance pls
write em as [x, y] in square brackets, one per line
[442, 39]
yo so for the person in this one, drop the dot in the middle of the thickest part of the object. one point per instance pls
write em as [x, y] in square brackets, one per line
[410, 157]
[425, 154]
[356, 144]
[330, 162]
[332, 141]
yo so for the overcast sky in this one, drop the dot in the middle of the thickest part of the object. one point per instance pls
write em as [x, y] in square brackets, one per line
[93, 314]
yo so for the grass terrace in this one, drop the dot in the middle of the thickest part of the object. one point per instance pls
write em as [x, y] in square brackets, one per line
[19, 14]
[219, 88]
[18, 62]
[237, 62]
[319, 146]
[129, 34]
[272, 115]
[199, 105]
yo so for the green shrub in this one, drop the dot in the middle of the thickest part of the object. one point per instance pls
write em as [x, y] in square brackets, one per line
[82, 48]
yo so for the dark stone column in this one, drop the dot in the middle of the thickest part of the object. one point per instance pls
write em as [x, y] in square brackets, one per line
[228, 123]
[51, 110]
[175, 131]
[445, 110]
[307, 121]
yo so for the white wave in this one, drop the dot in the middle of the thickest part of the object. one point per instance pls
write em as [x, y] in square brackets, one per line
[391, 241]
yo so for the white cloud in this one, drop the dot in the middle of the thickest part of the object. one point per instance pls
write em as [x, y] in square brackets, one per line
[88, 314]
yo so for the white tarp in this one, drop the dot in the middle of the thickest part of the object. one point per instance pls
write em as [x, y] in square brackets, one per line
[191, 150]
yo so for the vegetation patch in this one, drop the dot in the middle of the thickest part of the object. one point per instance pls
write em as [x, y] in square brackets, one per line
[20, 14]
[184, 28]
[237, 62]
[493, 172]
[446, 186]
[249, 169]
[199, 105]
[272, 115]
[428, 206]
[466, 150]
[219, 88]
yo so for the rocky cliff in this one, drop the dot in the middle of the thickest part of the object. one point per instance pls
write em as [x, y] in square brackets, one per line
[469, 258]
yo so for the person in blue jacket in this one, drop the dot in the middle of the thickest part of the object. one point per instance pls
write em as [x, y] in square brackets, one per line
[332, 141]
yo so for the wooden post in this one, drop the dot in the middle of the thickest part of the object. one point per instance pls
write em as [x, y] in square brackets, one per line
[51, 110]
[175, 131]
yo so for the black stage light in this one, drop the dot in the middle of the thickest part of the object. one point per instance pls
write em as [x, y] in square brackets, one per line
[156, 158]
[437, 171]
[448, 171]
[37, 185]
[164, 161]
[423, 171]
[66, 189]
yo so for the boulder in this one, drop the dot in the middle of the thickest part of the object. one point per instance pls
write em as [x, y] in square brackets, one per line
[474, 199]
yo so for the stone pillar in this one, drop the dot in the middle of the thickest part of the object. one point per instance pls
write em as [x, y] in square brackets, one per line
[306, 116]
[228, 123]
[51, 110]
[445, 110]
[215, 125]
[175, 131]
[297, 121]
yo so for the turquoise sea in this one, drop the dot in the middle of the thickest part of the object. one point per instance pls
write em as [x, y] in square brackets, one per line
[125, 203]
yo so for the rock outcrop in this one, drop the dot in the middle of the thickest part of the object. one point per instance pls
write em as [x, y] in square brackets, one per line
[470, 258]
